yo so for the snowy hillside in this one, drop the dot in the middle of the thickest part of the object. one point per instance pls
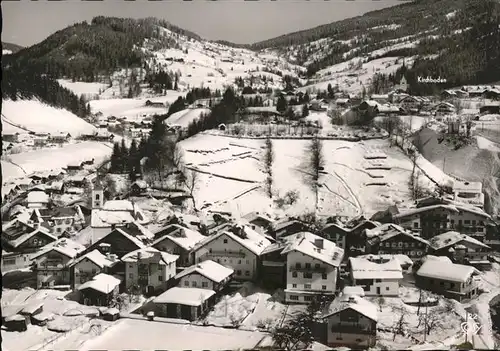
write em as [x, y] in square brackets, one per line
[34, 116]
[184, 117]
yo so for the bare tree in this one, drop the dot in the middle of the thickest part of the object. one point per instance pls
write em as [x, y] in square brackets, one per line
[400, 325]
[430, 321]
[316, 163]
[268, 164]
[390, 125]
[381, 302]
[191, 179]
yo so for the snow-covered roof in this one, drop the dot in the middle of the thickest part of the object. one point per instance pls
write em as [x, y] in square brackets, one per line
[185, 296]
[379, 96]
[364, 268]
[342, 100]
[256, 215]
[37, 197]
[387, 108]
[184, 237]
[446, 271]
[315, 247]
[64, 246]
[102, 282]
[209, 269]
[118, 205]
[104, 218]
[149, 252]
[452, 206]
[451, 238]
[141, 184]
[388, 231]
[468, 186]
[248, 238]
[23, 238]
[356, 303]
[95, 256]
[353, 290]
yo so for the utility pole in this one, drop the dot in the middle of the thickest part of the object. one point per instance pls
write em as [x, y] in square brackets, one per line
[467, 323]
[425, 324]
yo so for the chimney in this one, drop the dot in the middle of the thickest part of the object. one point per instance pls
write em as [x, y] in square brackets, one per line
[139, 255]
[253, 227]
[112, 257]
[113, 226]
[351, 299]
[318, 243]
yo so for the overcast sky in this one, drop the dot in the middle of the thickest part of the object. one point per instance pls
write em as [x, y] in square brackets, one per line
[26, 22]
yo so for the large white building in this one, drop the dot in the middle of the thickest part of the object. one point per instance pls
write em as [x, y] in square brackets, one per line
[379, 276]
[239, 248]
[311, 267]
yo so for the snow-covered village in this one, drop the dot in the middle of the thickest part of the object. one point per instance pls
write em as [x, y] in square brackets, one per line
[334, 188]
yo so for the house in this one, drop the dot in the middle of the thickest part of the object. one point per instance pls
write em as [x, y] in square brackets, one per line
[9, 191]
[351, 321]
[268, 102]
[56, 187]
[378, 276]
[388, 110]
[150, 103]
[441, 216]
[184, 303]
[349, 237]
[403, 85]
[475, 91]
[448, 94]
[60, 138]
[411, 103]
[86, 267]
[239, 248]
[318, 105]
[76, 180]
[74, 166]
[149, 269]
[100, 291]
[15, 261]
[11, 138]
[381, 99]
[61, 219]
[273, 271]
[18, 236]
[139, 187]
[461, 248]
[452, 280]
[490, 108]
[343, 102]
[51, 264]
[469, 193]
[491, 93]
[369, 106]
[108, 214]
[260, 222]
[287, 227]
[178, 240]
[312, 267]
[336, 233]
[206, 275]
[393, 239]
[444, 108]
[38, 178]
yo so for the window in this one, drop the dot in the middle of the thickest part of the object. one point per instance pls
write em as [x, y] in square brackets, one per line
[239, 261]
[308, 275]
[467, 221]
[294, 285]
[130, 275]
[160, 278]
[387, 244]
[210, 250]
[248, 261]
[316, 266]
[297, 265]
[378, 280]
[58, 230]
[338, 338]
[307, 298]
[247, 273]
[323, 287]
[323, 276]
[358, 340]
[400, 244]
[225, 241]
[94, 271]
[130, 265]
[238, 272]
[415, 225]
[473, 222]
[452, 285]
[204, 285]
[97, 196]
[307, 286]
[97, 204]
[386, 288]
[294, 274]
[308, 265]
[193, 284]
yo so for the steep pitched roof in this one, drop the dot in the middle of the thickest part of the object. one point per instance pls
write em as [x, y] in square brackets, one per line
[356, 303]
[149, 252]
[446, 271]
[184, 237]
[64, 246]
[96, 257]
[307, 243]
[209, 269]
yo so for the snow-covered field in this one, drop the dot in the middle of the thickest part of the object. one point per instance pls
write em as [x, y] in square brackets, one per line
[349, 185]
[83, 88]
[35, 116]
[184, 117]
[486, 144]
[146, 335]
[47, 159]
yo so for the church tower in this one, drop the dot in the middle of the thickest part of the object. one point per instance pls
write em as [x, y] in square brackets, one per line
[97, 195]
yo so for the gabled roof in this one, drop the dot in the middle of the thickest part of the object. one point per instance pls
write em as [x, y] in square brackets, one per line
[148, 252]
[451, 238]
[209, 269]
[64, 246]
[307, 243]
[183, 237]
[102, 283]
[37, 196]
[23, 238]
[185, 296]
[364, 268]
[446, 271]
[96, 257]
[354, 302]
[388, 231]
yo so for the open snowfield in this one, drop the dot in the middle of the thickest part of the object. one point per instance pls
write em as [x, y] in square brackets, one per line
[132, 107]
[83, 88]
[35, 116]
[47, 159]
[10, 171]
[146, 335]
[350, 184]
[184, 117]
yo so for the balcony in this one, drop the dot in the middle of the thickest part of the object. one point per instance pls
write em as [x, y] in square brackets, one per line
[353, 329]
[216, 254]
[311, 269]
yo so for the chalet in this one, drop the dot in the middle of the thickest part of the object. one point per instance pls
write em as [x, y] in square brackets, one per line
[259, 221]
[60, 138]
[75, 180]
[238, 248]
[100, 291]
[388, 110]
[351, 321]
[452, 280]
[492, 93]
[381, 99]
[444, 108]
[178, 240]
[19, 236]
[268, 103]
[490, 108]
[37, 199]
[9, 191]
[369, 106]
[149, 269]
[87, 266]
[74, 166]
[343, 102]
[150, 103]
[61, 219]
[51, 264]
[378, 276]
[394, 240]
[475, 91]
[448, 94]
[184, 303]
[318, 105]
[312, 267]
[287, 227]
[273, 264]
[206, 275]
[38, 178]
[461, 248]
[411, 103]
[139, 187]
[56, 187]
[336, 233]
[469, 193]
[11, 138]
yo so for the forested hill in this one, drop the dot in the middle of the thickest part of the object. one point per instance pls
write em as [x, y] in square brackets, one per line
[11, 47]
[84, 50]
